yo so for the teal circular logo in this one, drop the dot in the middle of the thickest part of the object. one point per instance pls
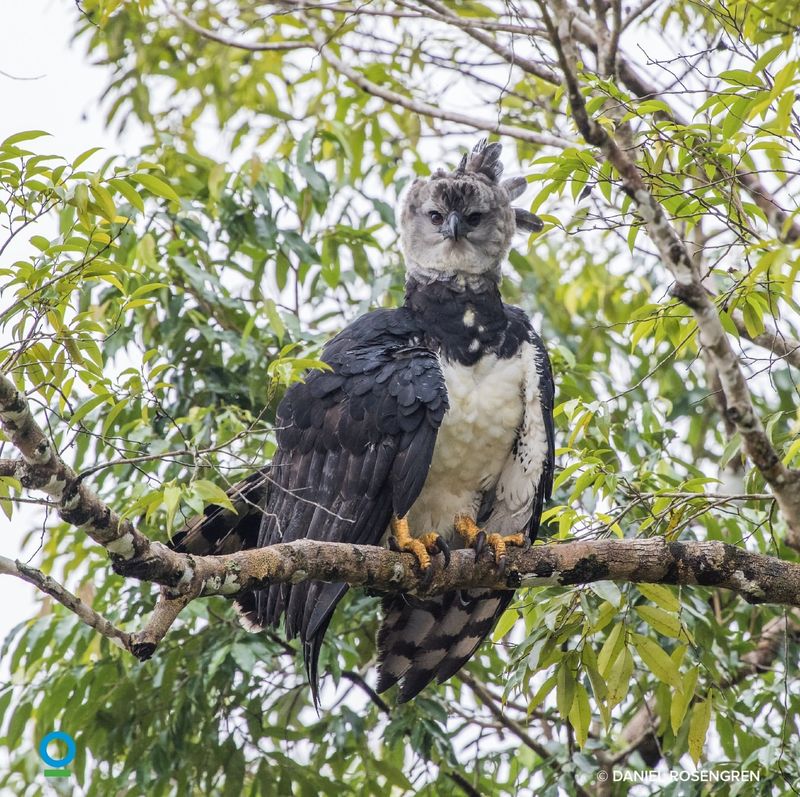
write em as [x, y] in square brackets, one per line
[59, 764]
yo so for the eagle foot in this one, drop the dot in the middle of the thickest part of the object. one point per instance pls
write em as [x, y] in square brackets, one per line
[478, 540]
[421, 547]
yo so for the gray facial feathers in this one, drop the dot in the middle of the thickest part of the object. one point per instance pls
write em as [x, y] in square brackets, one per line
[461, 223]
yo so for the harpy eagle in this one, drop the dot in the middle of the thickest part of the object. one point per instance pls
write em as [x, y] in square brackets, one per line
[433, 427]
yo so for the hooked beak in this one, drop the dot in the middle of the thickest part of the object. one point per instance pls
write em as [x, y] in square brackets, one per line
[453, 225]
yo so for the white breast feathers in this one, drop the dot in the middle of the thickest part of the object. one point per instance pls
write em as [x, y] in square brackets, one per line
[476, 440]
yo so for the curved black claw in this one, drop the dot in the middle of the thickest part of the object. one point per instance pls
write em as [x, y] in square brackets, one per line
[528, 543]
[479, 544]
[427, 576]
[444, 549]
[501, 565]
[393, 546]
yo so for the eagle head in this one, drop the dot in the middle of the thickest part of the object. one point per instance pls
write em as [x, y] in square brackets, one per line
[462, 222]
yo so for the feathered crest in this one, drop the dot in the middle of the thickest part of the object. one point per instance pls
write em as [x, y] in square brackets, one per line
[485, 160]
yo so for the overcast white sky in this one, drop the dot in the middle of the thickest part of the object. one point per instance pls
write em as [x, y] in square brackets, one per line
[58, 94]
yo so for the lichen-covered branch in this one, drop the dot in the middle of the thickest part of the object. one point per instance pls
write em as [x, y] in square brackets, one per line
[47, 585]
[757, 578]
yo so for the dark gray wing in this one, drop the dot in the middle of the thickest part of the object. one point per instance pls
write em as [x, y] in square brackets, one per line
[354, 446]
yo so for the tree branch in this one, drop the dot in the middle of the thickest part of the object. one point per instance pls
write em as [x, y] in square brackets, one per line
[424, 108]
[757, 578]
[534, 68]
[688, 286]
[281, 46]
[42, 582]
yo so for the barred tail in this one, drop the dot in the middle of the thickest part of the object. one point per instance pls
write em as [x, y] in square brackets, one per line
[422, 640]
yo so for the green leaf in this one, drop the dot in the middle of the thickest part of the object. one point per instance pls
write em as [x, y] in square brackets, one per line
[565, 689]
[87, 407]
[580, 716]
[619, 678]
[171, 499]
[542, 692]
[661, 621]
[661, 595]
[104, 200]
[127, 191]
[741, 77]
[657, 660]
[212, 494]
[84, 156]
[611, 649]
[156, 186]
[681, 700]
[698, 727]
[608, 591]
[27, 135]
[505, 624]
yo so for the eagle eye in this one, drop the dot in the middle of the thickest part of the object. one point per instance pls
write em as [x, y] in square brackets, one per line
[474, 219]
[436, 217]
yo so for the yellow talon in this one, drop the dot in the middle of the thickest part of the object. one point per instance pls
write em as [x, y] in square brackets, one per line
[422, 547]
[498, 543]
[467, 528]
[475, 538]
[405, 542]
[429, 540]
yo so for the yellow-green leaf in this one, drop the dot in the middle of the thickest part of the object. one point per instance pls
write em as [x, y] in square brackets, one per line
[26, 135]
[212, 494]
[128, 191]
[542, 692]
[681, 700]
[619, 679]
[663, 622]
[660, 595]
[505, 624]
[580, 716]
[104, 200]
[565, 689]
[657, 661]
[611, 648]
[156, 186]
[698, 727]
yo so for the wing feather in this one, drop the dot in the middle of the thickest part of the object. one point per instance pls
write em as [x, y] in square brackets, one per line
[345, 463]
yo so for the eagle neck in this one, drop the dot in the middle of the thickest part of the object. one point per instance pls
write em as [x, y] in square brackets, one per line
[463, 319]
